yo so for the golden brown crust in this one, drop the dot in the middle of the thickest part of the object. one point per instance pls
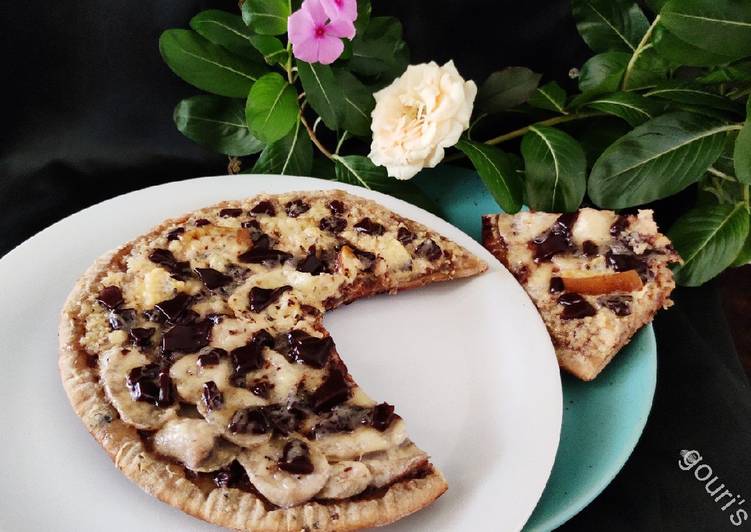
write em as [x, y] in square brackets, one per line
[167, 481]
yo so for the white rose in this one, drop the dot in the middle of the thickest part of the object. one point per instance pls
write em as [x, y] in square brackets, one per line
[417, 116]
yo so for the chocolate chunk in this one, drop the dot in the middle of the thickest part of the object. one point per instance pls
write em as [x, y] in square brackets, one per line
[261, 241]
[307, 349]
[333, 224]
[369, 227]
[173, 309]
[141, 336]
[121, 318]
[233, 476]
[250, 356]
[212, 397]
[556, 285]
[212, 358]
[175, 234]
[334, 391]
[251, 420]
[201, 222]
[555, 240]
[405, 236]
[382, 416]
[165, 259]
[296, 207]
[337, 207]
[619, 304]
[312, 264]
[622, 262]
[261, 388]
[575, 307]
[187, 338]
[366, 257]
[620, 225]
[257, 255]
[264, 207]
[343, 418]
[429, 249]
[255, 225]
[215, 318]
[213, 279]
[110, 297]
[92, 361]
[590, 249]
[230, 213]
[150, 384]
[260, 298]
[296, 458]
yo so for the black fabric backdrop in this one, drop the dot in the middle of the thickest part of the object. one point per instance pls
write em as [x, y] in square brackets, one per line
[87, 116]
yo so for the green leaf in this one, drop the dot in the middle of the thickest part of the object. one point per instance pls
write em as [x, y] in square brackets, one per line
[709, 239]
[207, 66]
[290, 155]
[599, 134]
[719, 26]
[690, 94]
[217, 123]
[271, 48]
[323, 168]
[363, 15]
[555, 169]
[225, 29]
[731, 73]
[678, 51]
[358, 103]
[380, 51]
[648, 70]
[360, 171]
[322, 92]
[499, 171]
[744, 257]
[551, 97]
[610, 25]
[266, 17]
[271, 109]
[630, 106]
[507, 88]
[655, 5]
[602, 73]
[742, 154]
[655, 160]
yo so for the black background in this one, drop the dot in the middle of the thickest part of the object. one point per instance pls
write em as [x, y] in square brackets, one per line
[87, 116]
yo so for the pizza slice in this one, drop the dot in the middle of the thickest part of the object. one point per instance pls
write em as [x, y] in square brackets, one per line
[595, 276]
[196, 355]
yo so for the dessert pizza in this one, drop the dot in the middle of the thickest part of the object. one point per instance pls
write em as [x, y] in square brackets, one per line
[595, 276]
[197, 357]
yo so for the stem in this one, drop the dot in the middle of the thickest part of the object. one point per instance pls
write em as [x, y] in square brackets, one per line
[314, 139]
[549, 122]
[341, 141]
[746, 197]
[639, 49]
[288, 66]
[740, 93]
[722, 175]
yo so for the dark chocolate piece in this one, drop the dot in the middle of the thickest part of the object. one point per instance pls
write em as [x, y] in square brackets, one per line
[150, 384]
[556, 285]
[110, 297]
[337, 207]
[212, 396]
[555, 240]
[187, 338]
[201, 222]
[429, 249]
[308, 349]
[296, 458]
[296, 207]
[260, 298]
[333, 224]
[575, 306]
[175, 233]
[121, 318]
[212, 358]
[312, 264]
[405, 236]
[230, 213]
[369, 227]
[264, 207]
[590, 249]
[619, 304]
[164, 258]
[334, 391]
[382, 416]
[213, 279]
[141, 336]
[173, 309]
[251, 420]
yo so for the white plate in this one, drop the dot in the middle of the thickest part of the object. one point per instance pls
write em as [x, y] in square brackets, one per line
[468, 364]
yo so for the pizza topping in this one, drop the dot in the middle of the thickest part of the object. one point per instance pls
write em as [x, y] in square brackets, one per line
[343, 418]
[150, 384]
[263, 254]
[250, 421]
[619, 304]
[250, 356]
[590, 249]
[626, 260]
[429, 249]
[306, 349]
[261, 388]
[404, 235]
[575, 306]
[211, 358]
[230, 213]
[110, 297]
[333, 224]
[620, 225]
[260, 298]
[201, 222]
[337, 207]
[348, 478]
[556, 285]
[264, 207]
[189, 440]
[555, 240]
[381, 417]
[628, 281]
[213, 279]
[334, 391]
[369, 227]
[121, 318]
[174, 308]
[312, 264]
[296, 458]
[141, 336]
[178, 269]
[187, 338]
[175, 234]
[212, 397]
[296, 207]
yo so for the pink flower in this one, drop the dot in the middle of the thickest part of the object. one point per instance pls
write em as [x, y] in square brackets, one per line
[316, 37]
[340, 9]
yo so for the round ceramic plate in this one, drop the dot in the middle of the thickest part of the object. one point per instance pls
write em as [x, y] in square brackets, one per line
[468, 364]
[603, 419]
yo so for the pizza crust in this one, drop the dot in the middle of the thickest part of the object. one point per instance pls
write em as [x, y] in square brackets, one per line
[228, 507]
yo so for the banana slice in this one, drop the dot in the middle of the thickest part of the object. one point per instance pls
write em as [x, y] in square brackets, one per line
[281, 487]
[191, 441]
[387, 466]
[189, 377]
[361, 441]
[346, 479]
[114, 367]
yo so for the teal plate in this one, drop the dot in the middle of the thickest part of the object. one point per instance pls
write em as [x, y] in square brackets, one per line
[603, 419]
